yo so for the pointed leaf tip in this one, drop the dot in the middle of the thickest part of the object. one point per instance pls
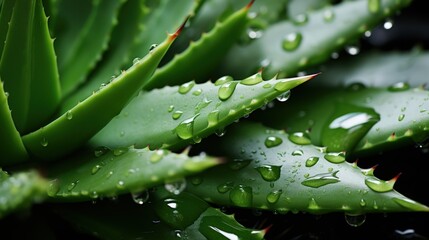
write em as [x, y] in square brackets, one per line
[249, 5]
[179, 30]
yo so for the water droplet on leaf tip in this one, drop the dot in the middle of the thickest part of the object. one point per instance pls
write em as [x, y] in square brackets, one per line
[283, 97]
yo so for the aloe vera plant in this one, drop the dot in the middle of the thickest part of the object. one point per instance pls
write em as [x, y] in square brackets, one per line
[174, 119]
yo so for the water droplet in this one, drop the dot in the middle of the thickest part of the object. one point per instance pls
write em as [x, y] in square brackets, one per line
[311, 161]
[186, 128]
[274, 196]
[312, 205]
[335, 55]
[197, 92]
[300, 19]
[69, 115]
[400, 86]
[176, 187]
[298, 153]
[373, 6]
[44, 142]
[72, 185]
[238, 164]
[241, 196]
[152, 47]
[328, 15]
[136, 60]
[283, 97]
[186, 87]
[225, 187]
[362, 203]
[157, 156]
[195, 180]
[338, 157]
[226, 90]
[170, 108]
[220, 132]
[252, 80]
[321, 179]
[95, 169]
[352, 50]
[120, 185]
[355, 220]
[140, 197]
[109, 174]
[202, 105]
[53, 188]
[223, 80]
[401, 117]
[269, 173]
[273, 141]
[378, 185]
[100, 151]
[292, 41]
[176, 115]
[300, 138]
[6, 94]
[119, 151]
[388, 24]
[254, 33]
[267, 85]
[213, 118]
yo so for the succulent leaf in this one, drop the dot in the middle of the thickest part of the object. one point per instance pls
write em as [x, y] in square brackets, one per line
[5, 15]
[11, 147]
[268, 171]
[20, 190]
[60, 136]
[81, 41]
[109, 173]
[28, 67]
[215, 44]
[188, 113]
[357, 119]
[287, 46]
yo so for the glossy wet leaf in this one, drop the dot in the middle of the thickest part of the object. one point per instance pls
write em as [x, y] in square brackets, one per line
[298, 187]
[109, 173]
[19, 190]
[351, 19]
[205, 108]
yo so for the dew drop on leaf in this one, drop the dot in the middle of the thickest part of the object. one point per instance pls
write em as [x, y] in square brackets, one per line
[335, 157]
[298, 153]
[269, 173]
[328, 15]
[283, 97]
[95, 169]
[175, 187]
[176, 115]
[186, 128]
[274, 196]
[300, 138]
[186, 87]
[272, 141]
[241, 196]
[157, 156]
[292, 41]
[140, 197]
[69, 115]
[44, 142]
[311, 161]
[225, 187]
[226, 90]
[400, 86]
[223, 80]
[355, 220]
[378, 185]
[100, 151]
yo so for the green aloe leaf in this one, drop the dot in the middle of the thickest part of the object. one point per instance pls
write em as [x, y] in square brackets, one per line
[357, 119]
[377, 69]
[188, 113]
[108, 173]
[11, 147]
[129, 220]
[141, 25]
[28, 67]
[20, 190]
[288, 46]
[81, 40]
[299, 7]
[214, 44]
[59, 137]
[5, 15]
[269, 171]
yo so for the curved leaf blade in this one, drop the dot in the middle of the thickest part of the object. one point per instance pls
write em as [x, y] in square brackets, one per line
[188, 113]
[292, 177]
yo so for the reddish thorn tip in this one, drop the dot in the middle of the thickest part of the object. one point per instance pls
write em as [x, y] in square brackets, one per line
[374, 167]
[249, 5]
[393, 134]
[265, 230]
[179, 30]
[395, 178]
[314, 75]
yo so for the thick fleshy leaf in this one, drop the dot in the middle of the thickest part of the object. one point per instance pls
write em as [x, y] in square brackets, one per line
[11, 147]
[71, 130]
[215, 44]
[269, 171]
[28, 67]
[129, 220]
[108, 173]
[80, 41]
[188, 113]
[288, 46]
[299, 7]
[5, 15]
[377, 69]
[20, 190]
[356, 119]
